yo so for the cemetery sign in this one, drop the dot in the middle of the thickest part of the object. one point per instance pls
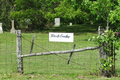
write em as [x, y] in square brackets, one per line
[61, 37]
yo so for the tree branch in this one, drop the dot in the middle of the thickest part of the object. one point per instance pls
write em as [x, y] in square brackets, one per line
[60, 52]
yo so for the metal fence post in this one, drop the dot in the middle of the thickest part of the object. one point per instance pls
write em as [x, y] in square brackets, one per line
[19, 52]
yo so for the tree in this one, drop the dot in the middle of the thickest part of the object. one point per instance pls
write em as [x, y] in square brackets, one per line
[34, 10]
[102, 9]
[6, 7]
[114, 14]
[28, 9]
[69, 12]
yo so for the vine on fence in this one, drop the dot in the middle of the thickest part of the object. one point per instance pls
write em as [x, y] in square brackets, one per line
[108, 40]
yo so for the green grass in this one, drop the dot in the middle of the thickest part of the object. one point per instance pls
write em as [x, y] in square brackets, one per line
[74, 28]
[83, 65]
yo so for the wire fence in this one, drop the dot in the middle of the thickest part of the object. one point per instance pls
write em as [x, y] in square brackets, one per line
[81, 63]
[8, 58]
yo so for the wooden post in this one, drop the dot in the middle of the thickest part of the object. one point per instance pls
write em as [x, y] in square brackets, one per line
[103, 54]
[32, 44]
[71, 54]
[19, 52]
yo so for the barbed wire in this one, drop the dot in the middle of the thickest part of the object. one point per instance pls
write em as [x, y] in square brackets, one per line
[58, 55]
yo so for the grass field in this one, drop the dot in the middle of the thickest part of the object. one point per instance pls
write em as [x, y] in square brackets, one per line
[83, 65]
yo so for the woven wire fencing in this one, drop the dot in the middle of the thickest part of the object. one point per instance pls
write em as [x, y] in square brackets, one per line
[81, 63]
[8, 59]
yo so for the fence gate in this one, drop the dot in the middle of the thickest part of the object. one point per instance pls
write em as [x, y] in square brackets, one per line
[32, 56]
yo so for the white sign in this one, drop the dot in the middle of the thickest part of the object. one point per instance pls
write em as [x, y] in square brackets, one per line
[61, 37]
[57, 21]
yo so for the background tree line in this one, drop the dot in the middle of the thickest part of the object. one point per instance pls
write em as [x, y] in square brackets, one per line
[37, 13]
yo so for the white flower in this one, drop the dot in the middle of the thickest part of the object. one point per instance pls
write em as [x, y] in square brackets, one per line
[93, 37]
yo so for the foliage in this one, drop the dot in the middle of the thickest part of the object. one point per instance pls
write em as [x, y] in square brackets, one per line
[6, 7]
[39, 12]
[114, 14]
[29, 10]
[106, 64]
[68, 13]
[106, 11]
[36, 11]
[107, 38]
[76, 3]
